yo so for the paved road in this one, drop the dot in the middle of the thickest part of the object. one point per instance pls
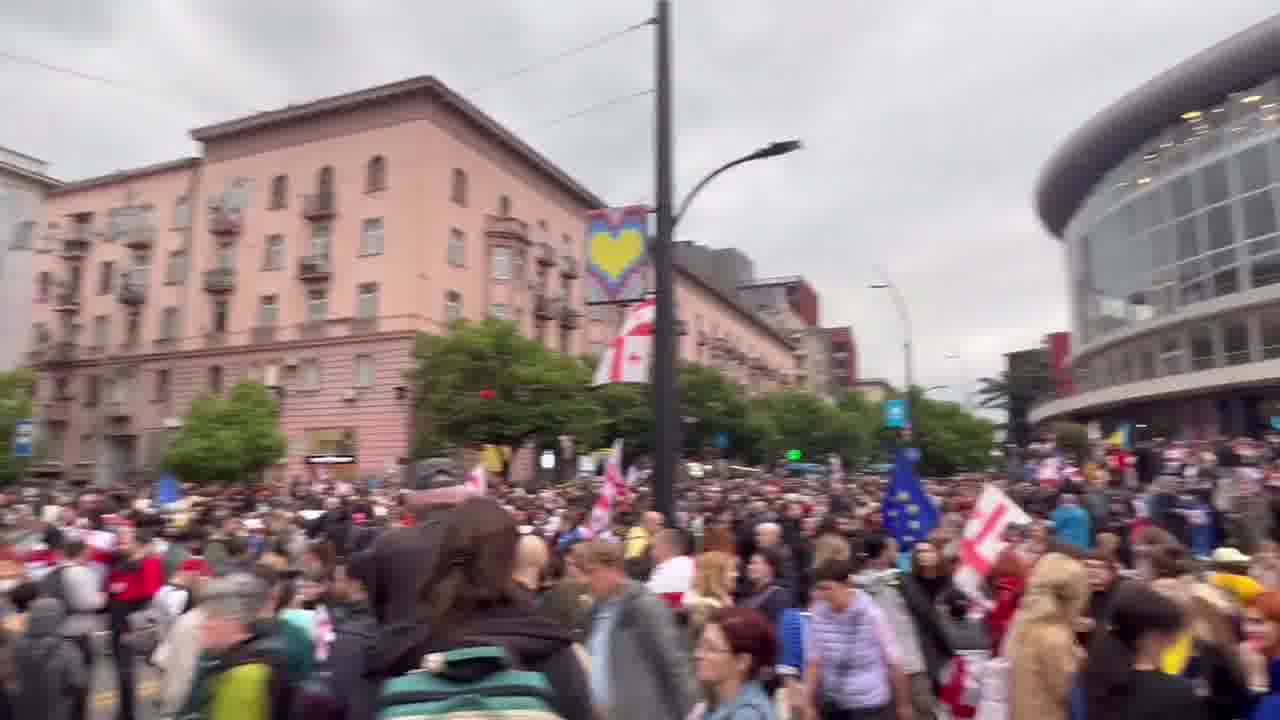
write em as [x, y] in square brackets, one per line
[105, 697]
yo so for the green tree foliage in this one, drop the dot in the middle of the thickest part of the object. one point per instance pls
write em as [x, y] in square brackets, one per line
[950, 438]
[228, 439]
[16, 390]
[1072, 439]
[799, 420]
[487, 383]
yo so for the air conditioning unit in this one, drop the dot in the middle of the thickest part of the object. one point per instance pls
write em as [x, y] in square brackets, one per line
[349, 395]
[291, 363]
[271, 375]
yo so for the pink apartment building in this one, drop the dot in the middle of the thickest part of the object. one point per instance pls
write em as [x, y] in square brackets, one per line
[305, 249]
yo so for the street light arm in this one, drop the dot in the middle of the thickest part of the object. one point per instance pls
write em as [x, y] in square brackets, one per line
[688, 199]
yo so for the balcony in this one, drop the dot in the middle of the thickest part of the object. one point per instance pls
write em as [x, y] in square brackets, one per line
[314, 268]
[547, 255]
[119, 414]
[313, 330]
[569, 267]
[56, 410]
[131, 292]
[264, 334]
[220, 280]
[364, 326]
[67, 301]
[319, 206]
[570, 319]
[142, 237]
[544, 308]
[224, 222]
[75, 247]
[506, 230]
[215, 339]
[61, 353]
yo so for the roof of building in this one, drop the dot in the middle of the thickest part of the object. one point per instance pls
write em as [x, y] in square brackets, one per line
[1241, 61]
[416, 85]
[733, 303]
[38, 178]
[126, 175]
[774, 281]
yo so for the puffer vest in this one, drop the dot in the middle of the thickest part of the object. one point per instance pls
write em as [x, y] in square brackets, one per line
[855, 670]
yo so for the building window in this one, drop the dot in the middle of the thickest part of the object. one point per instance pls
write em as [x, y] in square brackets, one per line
[176, 271]
[219, 324]
[320, 240]
[88, 448]
[364, 371]
[182, 213]
[1201, 348]
[324, 180]
[162, 385]
[106, 274]
[502, 263]
[169, 323]
[101, 331]
[458, 188]
[1271, 334]
[91, 390]
[317, 306]
[225, 256]
[504, 206]
[452, 306]
[215, 378]
[43, 286]
[310, 374]
[376, 174]
[457, 254]
[279, 192]
[133, 330]
[273, 253]
[1235, 342]
[498, 311]
[371, 237]
[367, 301]
[268, 311]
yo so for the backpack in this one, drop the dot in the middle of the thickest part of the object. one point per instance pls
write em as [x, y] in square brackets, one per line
[476, 683]
[264, 649]
[52, 586]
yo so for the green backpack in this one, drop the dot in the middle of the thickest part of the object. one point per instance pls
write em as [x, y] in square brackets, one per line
[476, 683]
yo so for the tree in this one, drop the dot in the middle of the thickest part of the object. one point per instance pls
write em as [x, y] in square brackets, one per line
[800, 420]
[1015, 393]
[487, 383]
[949, 437]
[228, 439]
[1072, 439]
[16, 391]
[712, 404]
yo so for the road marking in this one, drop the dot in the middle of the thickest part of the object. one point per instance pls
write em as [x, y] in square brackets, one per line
[146, 689]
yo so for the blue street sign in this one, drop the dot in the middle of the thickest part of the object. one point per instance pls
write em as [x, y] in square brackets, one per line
[1275, 423]
[722, 440]
[24, 438]
[895, 414]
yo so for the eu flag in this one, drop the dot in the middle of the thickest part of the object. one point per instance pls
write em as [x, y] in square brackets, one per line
[909, 514]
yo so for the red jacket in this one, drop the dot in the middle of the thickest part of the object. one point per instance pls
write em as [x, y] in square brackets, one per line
[133, 582]
[1008, 596]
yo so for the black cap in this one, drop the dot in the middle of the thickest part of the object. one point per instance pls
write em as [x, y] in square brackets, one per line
[432, 474]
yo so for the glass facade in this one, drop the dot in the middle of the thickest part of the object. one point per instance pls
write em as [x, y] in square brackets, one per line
[1191, 216]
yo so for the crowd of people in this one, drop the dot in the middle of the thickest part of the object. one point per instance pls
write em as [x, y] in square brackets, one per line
[764, 596]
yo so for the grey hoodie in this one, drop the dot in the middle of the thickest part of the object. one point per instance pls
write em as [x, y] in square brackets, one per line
[51, 672]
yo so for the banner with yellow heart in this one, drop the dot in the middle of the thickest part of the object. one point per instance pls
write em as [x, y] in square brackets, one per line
[617, 254]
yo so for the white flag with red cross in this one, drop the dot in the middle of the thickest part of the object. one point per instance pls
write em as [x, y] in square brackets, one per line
[628, 357]
[477, 480]
[983, 538]
[610, 492]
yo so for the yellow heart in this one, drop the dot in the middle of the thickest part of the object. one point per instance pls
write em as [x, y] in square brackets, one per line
[613, 253]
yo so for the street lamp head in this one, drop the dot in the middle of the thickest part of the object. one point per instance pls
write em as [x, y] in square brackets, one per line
[781, 147]
[879, 286]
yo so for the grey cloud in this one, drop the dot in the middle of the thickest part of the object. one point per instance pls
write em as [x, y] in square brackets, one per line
[925, 123]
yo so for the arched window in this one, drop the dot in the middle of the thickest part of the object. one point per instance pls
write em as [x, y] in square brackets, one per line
[504, 206]
[279, 192]
[376, 174]
[324, 180]
[458, 188]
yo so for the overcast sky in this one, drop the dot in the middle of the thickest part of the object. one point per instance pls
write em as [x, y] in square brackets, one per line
[925, 122]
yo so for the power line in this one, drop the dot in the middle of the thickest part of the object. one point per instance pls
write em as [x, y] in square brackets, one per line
[602, 105]
[557, 57]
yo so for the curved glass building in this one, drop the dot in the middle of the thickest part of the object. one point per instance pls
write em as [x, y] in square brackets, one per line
[1168, 205]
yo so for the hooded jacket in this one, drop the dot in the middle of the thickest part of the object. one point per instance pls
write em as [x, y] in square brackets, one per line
[535, 643]
[51, 672]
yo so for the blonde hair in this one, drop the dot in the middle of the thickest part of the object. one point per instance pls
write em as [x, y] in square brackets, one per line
[830, 546]
[1057, 593]
[712, 577]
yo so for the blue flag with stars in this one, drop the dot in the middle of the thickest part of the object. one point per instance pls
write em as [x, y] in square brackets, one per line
[909, 514]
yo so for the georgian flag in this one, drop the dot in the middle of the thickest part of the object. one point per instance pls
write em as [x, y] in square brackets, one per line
[477, 480]
[628, 358]
[610, 491]
[983, 538]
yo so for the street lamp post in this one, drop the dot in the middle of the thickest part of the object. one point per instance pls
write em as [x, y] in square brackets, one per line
[666, 401]
[904, 315]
